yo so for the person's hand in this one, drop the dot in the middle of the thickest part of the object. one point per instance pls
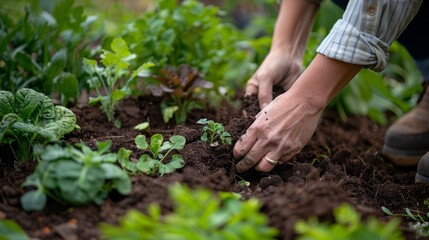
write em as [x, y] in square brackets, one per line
[285, 125]
[279, 132]
[279, 68]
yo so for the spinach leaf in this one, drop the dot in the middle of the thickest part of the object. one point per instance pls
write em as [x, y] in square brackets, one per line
[29, 117]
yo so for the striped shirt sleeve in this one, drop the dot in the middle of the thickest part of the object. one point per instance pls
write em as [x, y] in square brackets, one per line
[366, 31]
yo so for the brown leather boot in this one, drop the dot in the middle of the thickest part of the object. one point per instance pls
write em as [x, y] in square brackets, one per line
[407, 140]
[422, 174]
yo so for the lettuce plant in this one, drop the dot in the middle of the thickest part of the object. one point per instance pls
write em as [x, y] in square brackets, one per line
[181, 89]
[74, 176]
[348, 226]
[30, 117]
[153, 163]
[198, 214]
[214, 133]
[115, 67]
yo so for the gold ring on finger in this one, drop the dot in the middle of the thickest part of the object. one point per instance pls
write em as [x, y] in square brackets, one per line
[271, 161]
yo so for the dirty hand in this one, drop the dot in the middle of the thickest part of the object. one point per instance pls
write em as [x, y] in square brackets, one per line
[279, 132]
[278, 69]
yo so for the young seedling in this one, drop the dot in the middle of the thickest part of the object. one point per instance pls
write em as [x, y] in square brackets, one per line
[243, 183]
[214, 132]
[115, 67]
[421, 227]
[153, 164]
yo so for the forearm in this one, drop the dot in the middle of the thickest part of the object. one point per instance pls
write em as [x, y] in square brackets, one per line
[293, 26]
[322, 80]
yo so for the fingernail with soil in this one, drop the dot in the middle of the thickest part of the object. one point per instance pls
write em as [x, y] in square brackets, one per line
[239, 167]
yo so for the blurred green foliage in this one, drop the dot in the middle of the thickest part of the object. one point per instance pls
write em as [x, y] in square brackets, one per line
[113, 15]
[198, 214]
[10, 230]
[348, 225]
[190, 33]
[42, 44]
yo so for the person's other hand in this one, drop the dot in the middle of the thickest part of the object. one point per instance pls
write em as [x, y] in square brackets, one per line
[278, 69]
[279, 132]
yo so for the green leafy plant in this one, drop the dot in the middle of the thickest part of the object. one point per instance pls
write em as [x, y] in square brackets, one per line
[348, 225]
[182, 89]
[188, 32]
[30, 117]
[214, 133]
[198, 214]
[9, 230]
[42, 48]
[74, 176]
[153, 163]
[108, 77]
[421, 225]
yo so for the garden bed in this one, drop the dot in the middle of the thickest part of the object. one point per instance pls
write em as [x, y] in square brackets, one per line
[341, 163]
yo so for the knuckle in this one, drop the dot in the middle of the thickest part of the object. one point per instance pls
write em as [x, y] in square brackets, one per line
[295, 147]
[264, 96]
[253, 129]
[253, 81]
[262, 75]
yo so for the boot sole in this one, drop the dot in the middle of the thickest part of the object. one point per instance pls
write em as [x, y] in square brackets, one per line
[401, 157]
[421, 178]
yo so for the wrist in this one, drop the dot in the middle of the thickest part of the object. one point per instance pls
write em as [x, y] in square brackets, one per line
[284, 53]
[306, 95]
[293, 26]
[322, 80]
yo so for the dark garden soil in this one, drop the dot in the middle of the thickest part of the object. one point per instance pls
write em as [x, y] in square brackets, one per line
[341, 163]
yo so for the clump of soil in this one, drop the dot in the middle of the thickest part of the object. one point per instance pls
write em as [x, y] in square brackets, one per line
[341, 163]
